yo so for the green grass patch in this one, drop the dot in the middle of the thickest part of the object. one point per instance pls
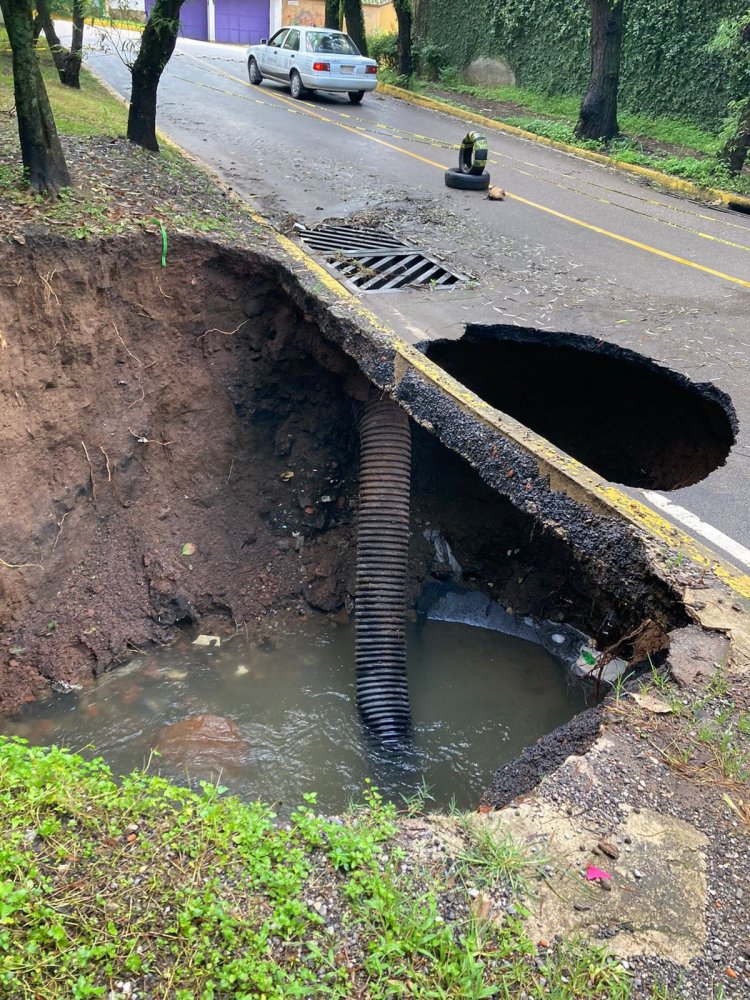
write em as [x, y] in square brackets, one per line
[196, 895]
[89, 111]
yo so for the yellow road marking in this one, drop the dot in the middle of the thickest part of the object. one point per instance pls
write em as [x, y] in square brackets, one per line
[647, 248]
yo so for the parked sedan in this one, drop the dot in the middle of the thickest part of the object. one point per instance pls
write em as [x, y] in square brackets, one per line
[313, 59]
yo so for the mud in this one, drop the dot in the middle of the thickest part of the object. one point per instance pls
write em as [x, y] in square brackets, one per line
[180, 449]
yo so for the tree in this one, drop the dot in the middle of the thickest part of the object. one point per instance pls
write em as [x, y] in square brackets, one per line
[43, 159]
[732, 42]
[598, 115]
[67, 61]
[355, 23]
[404, 17]
[157, 45]
[333, 14]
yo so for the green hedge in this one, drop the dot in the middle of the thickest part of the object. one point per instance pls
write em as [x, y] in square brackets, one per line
[666, 69]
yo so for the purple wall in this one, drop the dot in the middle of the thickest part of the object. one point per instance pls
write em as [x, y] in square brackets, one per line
[193, 18]
[242, 22]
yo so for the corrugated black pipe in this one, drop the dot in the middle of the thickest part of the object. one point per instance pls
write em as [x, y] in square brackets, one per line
[382, 552]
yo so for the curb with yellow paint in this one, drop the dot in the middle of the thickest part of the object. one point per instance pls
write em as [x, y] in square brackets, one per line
[679, 184]
[565, 473]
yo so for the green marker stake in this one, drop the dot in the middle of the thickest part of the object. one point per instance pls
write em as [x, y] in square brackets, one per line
[163, 241]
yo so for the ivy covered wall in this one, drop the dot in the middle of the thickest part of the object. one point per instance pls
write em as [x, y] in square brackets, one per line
[665, 68]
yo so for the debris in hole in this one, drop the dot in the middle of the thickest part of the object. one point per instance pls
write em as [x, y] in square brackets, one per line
[207, 640]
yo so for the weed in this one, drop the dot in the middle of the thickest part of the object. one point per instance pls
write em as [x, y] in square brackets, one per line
[415, 804]
[493, 856]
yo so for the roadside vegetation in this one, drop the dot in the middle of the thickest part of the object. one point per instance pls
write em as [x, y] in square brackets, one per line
[116, 185]
[141, 888]
[704, 734]
[671, 145]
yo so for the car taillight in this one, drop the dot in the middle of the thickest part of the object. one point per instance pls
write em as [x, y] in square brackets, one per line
[371, 70]
[322, 67]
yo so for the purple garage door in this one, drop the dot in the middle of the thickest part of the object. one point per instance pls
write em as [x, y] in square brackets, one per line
[193, 18]
[243, 22]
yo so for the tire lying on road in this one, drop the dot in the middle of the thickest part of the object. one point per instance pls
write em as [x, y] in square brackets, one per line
[456, 178]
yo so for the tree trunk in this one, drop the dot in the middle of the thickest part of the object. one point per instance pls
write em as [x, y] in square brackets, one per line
[71, 75]
[67, 61]
[403, 16]
[598, 115]
[355, 24]
[157, 45]
[44, 20]
[333, 14]
[736, 149]
[43, 160]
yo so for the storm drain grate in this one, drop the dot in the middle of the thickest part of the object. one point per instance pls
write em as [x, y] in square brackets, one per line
[371, 261]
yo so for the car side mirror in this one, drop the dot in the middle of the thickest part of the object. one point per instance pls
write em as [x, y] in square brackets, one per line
[263, 41]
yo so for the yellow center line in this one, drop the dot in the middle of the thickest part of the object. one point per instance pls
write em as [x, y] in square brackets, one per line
[647, 248]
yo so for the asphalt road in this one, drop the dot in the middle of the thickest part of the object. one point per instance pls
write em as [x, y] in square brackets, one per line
[574, 247]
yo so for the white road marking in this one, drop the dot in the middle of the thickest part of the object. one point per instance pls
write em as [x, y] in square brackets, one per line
[686, 517]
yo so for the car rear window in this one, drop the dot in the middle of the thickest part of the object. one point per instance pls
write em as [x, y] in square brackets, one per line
[331, 41]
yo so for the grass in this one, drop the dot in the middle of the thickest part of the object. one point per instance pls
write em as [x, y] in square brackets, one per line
[88, 111]
[672, 146]
[144, 887]
[710, 735]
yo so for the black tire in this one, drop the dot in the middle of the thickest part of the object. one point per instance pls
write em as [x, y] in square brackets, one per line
[355, 96]
[456, 178]
[253, 71]
[296, 87]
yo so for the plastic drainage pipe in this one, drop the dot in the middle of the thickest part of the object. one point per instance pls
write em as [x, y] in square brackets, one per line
[382, 553]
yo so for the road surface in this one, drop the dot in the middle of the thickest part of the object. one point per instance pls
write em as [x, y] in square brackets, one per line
[574, 247]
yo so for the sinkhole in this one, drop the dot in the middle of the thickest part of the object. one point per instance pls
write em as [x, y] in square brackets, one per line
[180, 457]
[621, 414]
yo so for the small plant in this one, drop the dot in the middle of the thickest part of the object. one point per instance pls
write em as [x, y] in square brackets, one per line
[494, 856]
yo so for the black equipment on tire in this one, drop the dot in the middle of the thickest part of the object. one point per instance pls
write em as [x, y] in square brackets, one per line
[472, 154]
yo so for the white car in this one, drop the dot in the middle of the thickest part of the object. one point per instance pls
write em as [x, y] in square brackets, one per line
[313, 59]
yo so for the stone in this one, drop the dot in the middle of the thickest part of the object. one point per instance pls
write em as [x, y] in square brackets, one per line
[661, 914]
[202, 741]
[485, 72]
[694, 654]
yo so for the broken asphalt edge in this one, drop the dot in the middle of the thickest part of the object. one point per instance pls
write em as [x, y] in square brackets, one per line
[403, 366]
[711, 196]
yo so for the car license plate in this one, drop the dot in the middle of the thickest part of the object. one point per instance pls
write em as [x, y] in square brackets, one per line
[347, 69]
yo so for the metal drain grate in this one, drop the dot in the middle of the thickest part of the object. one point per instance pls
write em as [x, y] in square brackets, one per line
[371, 261]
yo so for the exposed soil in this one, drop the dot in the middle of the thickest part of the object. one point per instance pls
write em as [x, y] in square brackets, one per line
[165, 462]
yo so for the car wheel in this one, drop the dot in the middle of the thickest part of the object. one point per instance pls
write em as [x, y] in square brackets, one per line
[253, 71]
[355, 96]
[456, 178]
[295, 86]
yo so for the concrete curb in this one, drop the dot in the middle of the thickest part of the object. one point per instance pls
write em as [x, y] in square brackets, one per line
[563, 473]
[710, 195]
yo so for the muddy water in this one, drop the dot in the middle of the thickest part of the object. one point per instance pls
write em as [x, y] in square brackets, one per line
[478, 698]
